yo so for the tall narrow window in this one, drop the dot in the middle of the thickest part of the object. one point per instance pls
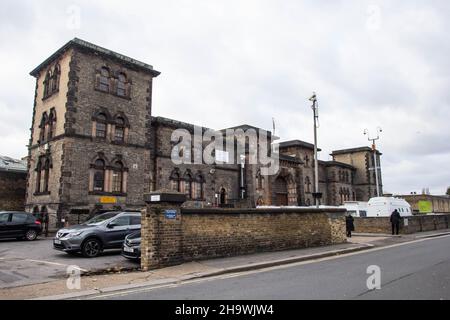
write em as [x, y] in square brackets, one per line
[100, 126]
[122, 85]
[46, 176]
[307, 185]
[99, 175]
[187, 189]
[43, 127]
[175, 180]
[104, 79]
[55, 79]
[197, 189]
[38, 176]
[119, 132]
[47, 84]
[117, 177]
[51, 125]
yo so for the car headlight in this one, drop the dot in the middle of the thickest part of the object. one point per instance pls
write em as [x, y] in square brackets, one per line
[74, 234]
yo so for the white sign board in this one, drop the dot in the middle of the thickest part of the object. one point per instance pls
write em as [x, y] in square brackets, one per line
[222, 156]
[155, 198]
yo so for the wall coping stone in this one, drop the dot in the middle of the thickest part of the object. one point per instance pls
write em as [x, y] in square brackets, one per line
[258, 210]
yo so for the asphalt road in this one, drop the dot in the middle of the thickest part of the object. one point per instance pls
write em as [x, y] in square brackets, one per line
[418, 270]
[24, 262]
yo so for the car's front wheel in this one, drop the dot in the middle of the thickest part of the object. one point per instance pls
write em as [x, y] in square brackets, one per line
[31, 235]
[91, 248]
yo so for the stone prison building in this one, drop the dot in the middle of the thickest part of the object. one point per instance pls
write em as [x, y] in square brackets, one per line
[96, 147]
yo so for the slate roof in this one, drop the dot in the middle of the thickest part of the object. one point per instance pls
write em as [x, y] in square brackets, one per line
[12, 165]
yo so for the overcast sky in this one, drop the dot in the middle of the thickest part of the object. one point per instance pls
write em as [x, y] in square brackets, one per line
[225, 63]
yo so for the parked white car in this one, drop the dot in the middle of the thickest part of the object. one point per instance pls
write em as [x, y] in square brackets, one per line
[384, 206]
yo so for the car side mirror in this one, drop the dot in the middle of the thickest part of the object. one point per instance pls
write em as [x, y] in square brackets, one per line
[111, 225]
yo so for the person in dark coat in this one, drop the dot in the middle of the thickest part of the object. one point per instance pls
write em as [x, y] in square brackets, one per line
[349, 225]
[395, 221]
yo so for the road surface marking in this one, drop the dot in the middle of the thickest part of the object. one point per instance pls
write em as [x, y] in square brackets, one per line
[42, 261]
[239, 274]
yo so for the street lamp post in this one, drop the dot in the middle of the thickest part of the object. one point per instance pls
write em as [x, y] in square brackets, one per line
[317, 195]
[374, 149]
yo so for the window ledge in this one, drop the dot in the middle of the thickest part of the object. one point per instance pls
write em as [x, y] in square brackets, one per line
[50, 95]
[104, 193]
[42, 193]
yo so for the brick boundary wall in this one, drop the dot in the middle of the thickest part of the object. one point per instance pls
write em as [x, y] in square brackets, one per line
[196, 234]
[414, 224]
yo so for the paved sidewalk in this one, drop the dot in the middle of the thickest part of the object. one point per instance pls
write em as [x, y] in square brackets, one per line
[91, 285]
[120, 281]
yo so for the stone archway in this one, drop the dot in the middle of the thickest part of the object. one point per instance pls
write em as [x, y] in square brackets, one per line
[280, 191]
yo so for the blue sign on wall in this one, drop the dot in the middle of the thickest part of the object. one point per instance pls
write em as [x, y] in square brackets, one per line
[171, 214]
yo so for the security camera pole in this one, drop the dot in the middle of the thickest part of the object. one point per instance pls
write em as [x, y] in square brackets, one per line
[317, 195]
[374, 148]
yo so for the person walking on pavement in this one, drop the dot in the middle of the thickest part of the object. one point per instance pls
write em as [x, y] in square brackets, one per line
[349, 225]
[395, 222]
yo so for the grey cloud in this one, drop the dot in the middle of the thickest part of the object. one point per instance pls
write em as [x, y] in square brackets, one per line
[245, 62]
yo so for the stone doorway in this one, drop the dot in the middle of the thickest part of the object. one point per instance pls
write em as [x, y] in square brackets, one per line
[280, 189]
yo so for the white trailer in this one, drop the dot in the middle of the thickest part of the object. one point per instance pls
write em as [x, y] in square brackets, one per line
[356, 208]
[384, 206]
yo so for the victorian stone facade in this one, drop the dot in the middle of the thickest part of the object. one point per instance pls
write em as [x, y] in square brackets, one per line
[95, 147]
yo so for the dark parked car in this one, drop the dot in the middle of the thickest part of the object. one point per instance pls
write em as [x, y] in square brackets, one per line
[19, 225]
[132, 246]
[105, 231]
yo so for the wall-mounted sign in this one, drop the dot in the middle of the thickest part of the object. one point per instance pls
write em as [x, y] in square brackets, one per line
[155, 198]
[170, 214]
[425, 206]
[108, 200]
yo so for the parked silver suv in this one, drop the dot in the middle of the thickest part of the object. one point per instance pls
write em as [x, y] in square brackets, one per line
[105, 231]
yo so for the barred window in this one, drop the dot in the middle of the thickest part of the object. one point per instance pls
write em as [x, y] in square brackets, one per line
[99, 175]
[117, 177]
[104, 79]
[100, 129]
[119, 133]
[122, 85]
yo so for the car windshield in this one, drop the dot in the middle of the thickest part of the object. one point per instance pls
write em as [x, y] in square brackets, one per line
[100, 218]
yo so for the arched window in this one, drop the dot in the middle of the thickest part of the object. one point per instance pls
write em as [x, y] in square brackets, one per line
[38, 176]
[100, 126]
[306, 161]
[55, 79]
[119, 132]
[103, 83]
[259, 180]
[307, 185]
[117, 177]
[51, 125]
[222, 196]
[47, 84]
[99, 175]
[175, 181]
[46, 175]
[187, 185]
[43, 128]
[122, 85]
[197, 189]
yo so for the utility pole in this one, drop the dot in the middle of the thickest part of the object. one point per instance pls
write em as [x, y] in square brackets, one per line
[374, 149]
[317, 195]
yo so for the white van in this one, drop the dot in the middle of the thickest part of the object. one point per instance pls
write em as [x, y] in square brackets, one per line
[356, 208]
[384, 206]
